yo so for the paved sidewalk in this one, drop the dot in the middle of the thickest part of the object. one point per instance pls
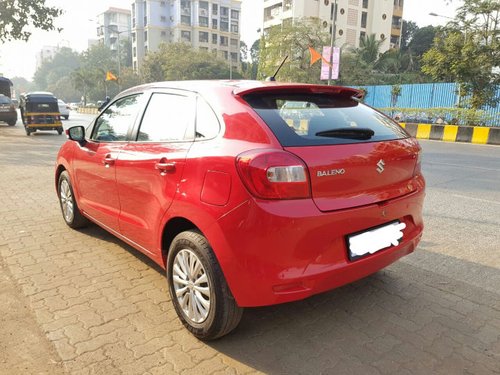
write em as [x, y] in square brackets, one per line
[83, 302]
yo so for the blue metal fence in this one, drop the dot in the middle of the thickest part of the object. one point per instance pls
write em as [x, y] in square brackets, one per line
[423, 95]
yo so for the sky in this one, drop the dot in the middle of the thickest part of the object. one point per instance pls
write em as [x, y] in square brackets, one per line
[17, 59]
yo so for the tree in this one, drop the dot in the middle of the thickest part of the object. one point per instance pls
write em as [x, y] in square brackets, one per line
[369, 49]
[18, 16]
[293, 40]
[250, 59]
[467, 51]
[63, 63]
[179, 61]
[407, 31]
[422, 40]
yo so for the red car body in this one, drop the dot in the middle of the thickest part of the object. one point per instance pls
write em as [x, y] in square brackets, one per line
[275, 242]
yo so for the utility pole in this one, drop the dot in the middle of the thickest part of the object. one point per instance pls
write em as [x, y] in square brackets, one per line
[332, 41]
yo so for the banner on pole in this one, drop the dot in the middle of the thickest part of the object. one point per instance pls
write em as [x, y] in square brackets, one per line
[325, 68]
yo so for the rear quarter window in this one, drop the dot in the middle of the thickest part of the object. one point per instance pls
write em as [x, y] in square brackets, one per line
[320, 119]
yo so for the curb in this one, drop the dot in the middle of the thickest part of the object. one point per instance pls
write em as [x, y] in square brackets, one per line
[453, 133]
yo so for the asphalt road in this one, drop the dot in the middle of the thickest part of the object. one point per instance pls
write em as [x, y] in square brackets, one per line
[82, 302]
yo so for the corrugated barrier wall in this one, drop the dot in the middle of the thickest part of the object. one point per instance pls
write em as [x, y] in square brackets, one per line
[424, 95]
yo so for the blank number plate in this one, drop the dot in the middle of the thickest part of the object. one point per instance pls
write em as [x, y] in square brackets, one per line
[374, 240]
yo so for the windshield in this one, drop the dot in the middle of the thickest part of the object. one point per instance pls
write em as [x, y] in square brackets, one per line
[317, 119]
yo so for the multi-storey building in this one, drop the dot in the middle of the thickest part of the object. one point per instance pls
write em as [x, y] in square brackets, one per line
[112, 26]
[47, 53]
[353, 18]
[212, 25]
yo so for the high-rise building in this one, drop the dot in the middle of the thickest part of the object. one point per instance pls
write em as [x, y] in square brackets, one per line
[112, 26]
[354, 19]
[212, 26]
[47, 53]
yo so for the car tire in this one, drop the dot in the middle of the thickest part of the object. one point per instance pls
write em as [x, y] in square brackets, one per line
[199, 293]
[69, 208]
[59, 131]
[66, 117]
[28, 132]
[12, 123]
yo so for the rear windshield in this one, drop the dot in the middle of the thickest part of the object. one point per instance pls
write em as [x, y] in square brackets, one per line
[310, 119]
[4, 100]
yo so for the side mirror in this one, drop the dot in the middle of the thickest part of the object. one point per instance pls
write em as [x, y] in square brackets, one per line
[76, 133]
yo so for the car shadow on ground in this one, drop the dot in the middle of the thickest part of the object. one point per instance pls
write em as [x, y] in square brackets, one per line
[403, 319]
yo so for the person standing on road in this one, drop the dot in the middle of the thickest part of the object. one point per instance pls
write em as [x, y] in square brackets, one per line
[104, 103]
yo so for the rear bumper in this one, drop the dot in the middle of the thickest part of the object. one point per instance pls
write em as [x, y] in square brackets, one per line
[280, 251]
[54, 126]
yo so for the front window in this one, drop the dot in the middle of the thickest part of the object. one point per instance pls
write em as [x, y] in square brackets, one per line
[115, 121]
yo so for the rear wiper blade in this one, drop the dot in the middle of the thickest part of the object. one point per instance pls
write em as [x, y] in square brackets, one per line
[349, 133]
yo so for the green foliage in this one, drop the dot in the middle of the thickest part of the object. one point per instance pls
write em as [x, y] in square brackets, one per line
[250, 60]
[63, 63]
[179, 61]
[407, 32]
[292, 40]
[467, 51]
[17, 17]
[455, 116]
[422, 40]
[395, 94]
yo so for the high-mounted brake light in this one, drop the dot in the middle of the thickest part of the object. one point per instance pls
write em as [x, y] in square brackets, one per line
[273, 174]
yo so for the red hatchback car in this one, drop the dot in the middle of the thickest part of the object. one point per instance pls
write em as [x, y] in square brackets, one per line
[247, 193]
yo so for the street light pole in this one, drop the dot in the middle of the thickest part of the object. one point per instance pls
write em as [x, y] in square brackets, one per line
[332, 41]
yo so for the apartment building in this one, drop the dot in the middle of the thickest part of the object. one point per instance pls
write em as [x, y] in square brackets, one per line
[353, 18]
[212, 26]
[112, 26]
[47, 53]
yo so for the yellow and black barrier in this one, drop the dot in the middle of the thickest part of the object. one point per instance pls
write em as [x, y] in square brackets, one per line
[455, 133]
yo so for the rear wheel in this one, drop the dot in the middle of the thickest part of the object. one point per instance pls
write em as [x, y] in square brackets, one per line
[60, 131]
[71, 213]
[198, 289]
[28, 132]
[12, 123]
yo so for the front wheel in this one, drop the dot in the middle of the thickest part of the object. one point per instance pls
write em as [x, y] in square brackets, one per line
[71, 213]
[198, 289]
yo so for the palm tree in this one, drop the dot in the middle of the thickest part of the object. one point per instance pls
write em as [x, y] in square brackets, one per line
[368, 50]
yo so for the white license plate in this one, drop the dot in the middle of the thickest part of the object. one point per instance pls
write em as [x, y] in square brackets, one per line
[374, 240]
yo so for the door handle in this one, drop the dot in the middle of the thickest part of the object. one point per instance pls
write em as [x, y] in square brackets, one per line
[164, 167]
[108, 161]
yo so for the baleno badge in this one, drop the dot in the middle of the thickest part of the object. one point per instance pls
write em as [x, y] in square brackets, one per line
[330, 172]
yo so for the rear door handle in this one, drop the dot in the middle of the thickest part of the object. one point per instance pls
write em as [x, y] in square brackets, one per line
[108, 161]
[164, 166]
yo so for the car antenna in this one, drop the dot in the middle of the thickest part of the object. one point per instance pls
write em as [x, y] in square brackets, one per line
[273, 77]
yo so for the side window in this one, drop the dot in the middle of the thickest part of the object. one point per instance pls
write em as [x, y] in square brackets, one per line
[168, 118]
[113, 124]
[207, 124]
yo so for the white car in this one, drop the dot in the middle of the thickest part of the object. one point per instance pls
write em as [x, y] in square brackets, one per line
[63, 108]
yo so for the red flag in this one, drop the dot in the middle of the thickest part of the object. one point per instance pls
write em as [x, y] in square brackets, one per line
[315, 56]
[110, 77]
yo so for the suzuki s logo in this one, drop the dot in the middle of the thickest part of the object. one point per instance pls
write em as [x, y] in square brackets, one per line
[380, 166]
[330, 172]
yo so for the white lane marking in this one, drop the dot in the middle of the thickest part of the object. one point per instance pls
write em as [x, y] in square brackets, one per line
[461, 166]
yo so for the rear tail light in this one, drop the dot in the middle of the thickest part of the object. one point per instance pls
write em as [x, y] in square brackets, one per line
[272, 174]
[418, 164]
